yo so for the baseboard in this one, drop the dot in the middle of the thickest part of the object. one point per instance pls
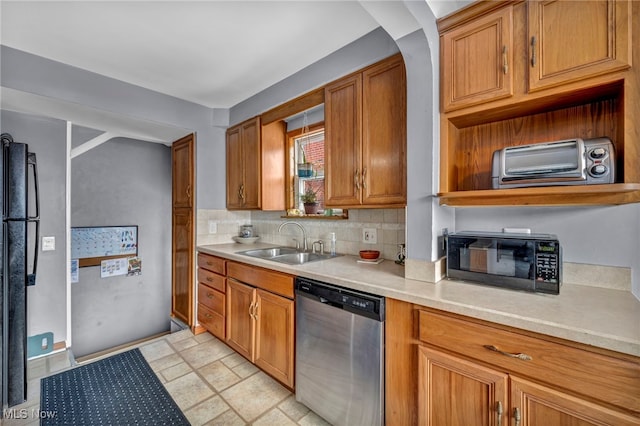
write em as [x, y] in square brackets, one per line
[198, 329]
[118, 348]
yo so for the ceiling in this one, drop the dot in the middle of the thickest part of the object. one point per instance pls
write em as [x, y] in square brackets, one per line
[213, 53]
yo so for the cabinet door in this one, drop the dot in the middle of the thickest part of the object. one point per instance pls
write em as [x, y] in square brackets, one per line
[235, 167]
[252, 165]
[243, 165]
[182, 261]
[183, 171]
[240, 323]
[274, 350]
[573, 40]
[454, 391]
[343, 126]
[477, 61]
[384, 134]
[537, 405]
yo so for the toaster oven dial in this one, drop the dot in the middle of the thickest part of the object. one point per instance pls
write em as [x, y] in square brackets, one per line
[598, 170]
[598, 153]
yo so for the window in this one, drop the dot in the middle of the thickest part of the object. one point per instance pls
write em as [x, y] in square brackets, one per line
[305, 166]
[309, 161]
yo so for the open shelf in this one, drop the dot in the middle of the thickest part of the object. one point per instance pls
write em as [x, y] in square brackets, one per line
[587, 195]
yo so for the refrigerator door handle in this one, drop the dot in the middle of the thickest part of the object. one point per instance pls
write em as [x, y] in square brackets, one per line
[31, 161]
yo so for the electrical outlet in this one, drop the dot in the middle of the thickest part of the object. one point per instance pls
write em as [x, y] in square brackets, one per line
[369, 235]
[213, 227]
[48, 243]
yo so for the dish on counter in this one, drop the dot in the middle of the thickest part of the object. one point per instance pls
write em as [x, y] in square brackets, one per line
[245, 240]
[369, 254]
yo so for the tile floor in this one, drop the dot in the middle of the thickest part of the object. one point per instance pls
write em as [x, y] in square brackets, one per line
[212, 384]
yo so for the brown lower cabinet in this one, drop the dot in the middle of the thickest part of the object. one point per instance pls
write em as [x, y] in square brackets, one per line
[447, 369]
[260, 323]
[212, 284]
[473, 374]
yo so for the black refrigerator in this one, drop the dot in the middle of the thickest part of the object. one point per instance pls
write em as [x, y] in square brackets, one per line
[19, 248]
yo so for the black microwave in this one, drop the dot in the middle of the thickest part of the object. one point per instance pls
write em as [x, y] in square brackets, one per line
[529, 262]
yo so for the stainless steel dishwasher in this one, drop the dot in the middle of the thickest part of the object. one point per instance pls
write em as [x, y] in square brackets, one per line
[340, 353]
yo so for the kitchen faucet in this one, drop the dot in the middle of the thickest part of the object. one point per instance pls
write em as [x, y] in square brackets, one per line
[304, 234]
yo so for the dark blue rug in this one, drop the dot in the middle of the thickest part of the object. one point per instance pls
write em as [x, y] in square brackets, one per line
[119, 390]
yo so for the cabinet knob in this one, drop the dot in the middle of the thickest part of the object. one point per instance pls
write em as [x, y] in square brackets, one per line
[210, 295]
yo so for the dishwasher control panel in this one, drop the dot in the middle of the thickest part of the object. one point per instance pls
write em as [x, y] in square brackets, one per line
[366, 304]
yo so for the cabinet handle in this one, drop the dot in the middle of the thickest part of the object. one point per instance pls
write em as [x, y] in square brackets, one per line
[210, 279]
[207, 316]
[499, 412]
[505, 60]
[521, 356]
[533, 51]
[364, 181]
[251, 310]
[516, 416]
[241, 192]
[188, 191]
[356, 182]
[209, 263]
[210, 295]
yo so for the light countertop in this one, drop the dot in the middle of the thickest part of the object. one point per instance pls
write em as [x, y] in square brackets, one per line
[594, 316]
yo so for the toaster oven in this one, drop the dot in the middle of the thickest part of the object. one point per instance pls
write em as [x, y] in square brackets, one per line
[566, 162]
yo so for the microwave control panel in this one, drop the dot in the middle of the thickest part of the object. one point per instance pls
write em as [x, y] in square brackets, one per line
[547, 261]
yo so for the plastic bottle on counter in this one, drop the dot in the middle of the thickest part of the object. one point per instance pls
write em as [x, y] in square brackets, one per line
[332, 242]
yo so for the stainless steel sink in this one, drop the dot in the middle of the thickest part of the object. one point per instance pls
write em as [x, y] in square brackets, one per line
[288, 255]
[268, 253]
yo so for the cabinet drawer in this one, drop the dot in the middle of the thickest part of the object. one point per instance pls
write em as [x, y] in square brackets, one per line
[211, 298]
[212, 280]
[268, 280]
[212, 263]
[212, 321]
[613, 380]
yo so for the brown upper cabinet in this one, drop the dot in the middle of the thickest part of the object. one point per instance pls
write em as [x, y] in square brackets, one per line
[243, 165]
[519, 72]
[182, 158]
[476, 58]
[255, 165]
[365, 137]
[571, 40]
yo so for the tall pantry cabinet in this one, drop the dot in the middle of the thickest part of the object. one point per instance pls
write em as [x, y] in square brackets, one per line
[183, 235]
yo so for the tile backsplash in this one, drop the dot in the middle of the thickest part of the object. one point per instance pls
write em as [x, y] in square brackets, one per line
[389, 225]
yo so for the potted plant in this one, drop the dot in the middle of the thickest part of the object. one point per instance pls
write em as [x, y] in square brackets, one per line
[309, 200]
[304, 169]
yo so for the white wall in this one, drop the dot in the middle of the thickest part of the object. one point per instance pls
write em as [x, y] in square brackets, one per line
[123, 182]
